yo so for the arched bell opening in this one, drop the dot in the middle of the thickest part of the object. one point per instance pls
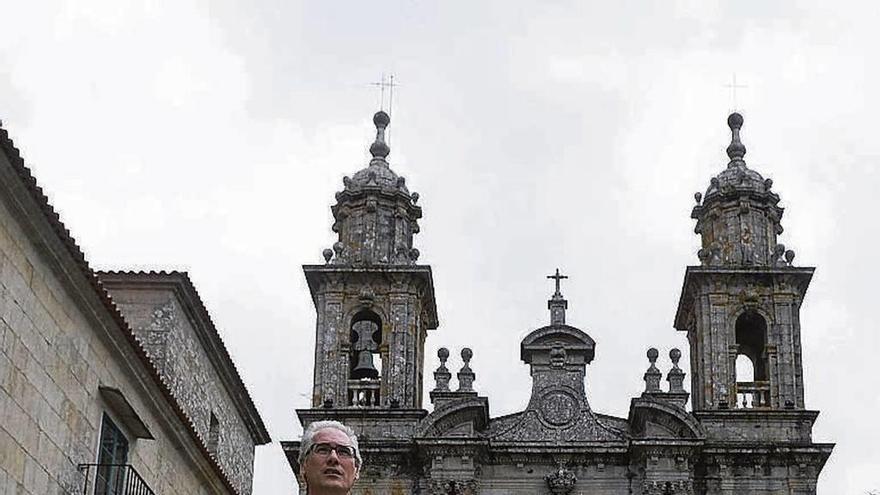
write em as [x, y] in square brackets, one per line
[365, 363]
[751, 378]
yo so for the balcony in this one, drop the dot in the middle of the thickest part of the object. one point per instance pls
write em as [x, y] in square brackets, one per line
[112, 479]
[364, 393]
[752, 395]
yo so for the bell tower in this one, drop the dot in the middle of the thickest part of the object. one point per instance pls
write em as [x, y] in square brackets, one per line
[374, 304]
[741, 306]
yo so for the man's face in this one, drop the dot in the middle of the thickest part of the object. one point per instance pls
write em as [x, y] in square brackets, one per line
[329, 474]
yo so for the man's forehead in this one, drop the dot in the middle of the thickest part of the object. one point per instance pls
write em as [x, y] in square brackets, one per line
[331, 435]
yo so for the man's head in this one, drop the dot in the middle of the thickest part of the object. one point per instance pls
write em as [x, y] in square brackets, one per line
[329, 458]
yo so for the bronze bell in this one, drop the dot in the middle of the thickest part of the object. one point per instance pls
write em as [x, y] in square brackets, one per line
[365, 367]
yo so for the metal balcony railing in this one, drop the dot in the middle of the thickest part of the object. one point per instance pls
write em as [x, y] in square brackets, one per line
[752, 395]
[112, 479]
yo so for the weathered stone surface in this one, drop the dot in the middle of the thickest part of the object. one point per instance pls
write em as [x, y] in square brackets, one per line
[68, 358]
[50, 371]
[158, 316]
[743, 437]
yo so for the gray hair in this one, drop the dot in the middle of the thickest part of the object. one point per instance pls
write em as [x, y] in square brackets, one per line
[313, 429]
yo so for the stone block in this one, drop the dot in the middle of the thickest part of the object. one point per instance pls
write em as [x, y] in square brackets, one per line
[11, 457]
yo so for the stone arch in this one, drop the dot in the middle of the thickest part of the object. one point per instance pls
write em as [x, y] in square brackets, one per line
[751, 335]
[663, 416]
[463, 416]
[360, 307]
[750, 329]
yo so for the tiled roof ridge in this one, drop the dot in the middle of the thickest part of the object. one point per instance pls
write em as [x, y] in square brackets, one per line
[141, 272]
[36, 193]
[261, 433]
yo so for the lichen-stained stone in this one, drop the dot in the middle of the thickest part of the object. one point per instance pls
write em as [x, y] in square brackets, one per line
[739, 436]
[167, 315]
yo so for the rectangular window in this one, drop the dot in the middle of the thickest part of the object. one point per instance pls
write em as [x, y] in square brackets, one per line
[112, 458]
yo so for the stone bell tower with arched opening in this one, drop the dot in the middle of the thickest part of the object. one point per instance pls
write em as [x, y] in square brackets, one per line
[374, 303]
[741, 305]
[743, 301]
[743, 435]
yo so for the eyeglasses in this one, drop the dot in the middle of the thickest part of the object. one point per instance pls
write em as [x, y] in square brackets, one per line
[324, 449]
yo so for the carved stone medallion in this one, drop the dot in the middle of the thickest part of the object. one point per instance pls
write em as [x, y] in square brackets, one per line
[558, 408]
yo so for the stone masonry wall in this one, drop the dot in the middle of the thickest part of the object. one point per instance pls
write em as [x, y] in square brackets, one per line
[158, 317]
[51, 364]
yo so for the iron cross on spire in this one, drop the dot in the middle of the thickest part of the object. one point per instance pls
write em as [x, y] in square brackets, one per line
[382, 84]
[733, 86]
[558, 278]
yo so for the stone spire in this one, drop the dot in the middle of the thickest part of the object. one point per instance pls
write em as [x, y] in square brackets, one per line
[738, 218]
[557, 304]
[376, 215]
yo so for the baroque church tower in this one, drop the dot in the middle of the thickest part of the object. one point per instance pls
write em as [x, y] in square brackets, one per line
[740, 307]
[741, 310]
[747, 431]
[374, 303]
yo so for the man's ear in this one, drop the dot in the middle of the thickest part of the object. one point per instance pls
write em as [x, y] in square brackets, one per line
[357, 473]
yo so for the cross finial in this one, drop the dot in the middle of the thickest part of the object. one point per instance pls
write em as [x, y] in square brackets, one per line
[733, 86]
[382, 85]
[557, 304]
[558, 278]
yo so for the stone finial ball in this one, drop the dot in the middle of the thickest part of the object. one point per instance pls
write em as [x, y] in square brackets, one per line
[652, 354]
[443, 354]
[675, 355]
[735, 121]
[381, 119]
[415, 197]
[328, 253]
[467, 354]
[789, 256]
[698, 196]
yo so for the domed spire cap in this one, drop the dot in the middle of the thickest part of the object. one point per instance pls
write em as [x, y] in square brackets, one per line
[737, 150]
[379, 149]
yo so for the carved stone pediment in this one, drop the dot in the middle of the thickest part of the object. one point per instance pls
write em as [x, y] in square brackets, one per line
[558, 410]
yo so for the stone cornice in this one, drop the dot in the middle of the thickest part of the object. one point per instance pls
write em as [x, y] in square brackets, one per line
[317, 276]
[696, 274]
[757, 414]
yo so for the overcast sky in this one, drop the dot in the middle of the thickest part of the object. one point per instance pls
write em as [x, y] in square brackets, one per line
[211, 137]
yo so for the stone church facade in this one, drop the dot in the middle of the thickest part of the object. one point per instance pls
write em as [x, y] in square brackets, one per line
[742, 434]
